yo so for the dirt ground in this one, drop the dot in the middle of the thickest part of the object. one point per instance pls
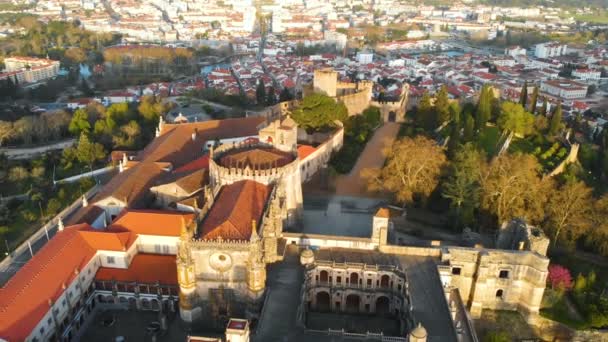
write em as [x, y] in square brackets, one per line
[371, 157]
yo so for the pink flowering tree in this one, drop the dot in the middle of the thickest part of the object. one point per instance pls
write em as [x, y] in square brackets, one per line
[559, 278]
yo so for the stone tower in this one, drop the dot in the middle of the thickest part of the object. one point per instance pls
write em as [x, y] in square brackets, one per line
[185, 274]
[326, 81]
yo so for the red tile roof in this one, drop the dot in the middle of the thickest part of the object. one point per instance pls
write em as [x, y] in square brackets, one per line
[144, 268]
[151, 222]
[196, 164]
[304, 151]
[24, 298]
[236, 206]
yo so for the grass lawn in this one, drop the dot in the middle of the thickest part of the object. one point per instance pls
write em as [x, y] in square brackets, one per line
[555, 307]
[488, 140]
[593, 18]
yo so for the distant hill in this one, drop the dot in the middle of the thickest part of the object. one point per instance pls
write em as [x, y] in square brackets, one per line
[548, 3]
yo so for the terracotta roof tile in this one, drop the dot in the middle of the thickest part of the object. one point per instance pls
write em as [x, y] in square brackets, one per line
[151, 222]
[24, 298]
[304, 151]
[144, 268]
[236, 206]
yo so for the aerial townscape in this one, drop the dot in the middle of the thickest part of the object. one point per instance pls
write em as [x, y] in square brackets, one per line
[303, 170]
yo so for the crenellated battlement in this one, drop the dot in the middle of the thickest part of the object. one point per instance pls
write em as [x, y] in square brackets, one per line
[266, 173]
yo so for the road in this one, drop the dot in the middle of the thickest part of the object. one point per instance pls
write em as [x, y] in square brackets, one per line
[30, 152]
[371, 157]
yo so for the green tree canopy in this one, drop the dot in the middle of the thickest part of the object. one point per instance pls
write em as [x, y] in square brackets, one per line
[555, 125]
[80, 122]
[462, 186]
[515, 119]
[318, 112]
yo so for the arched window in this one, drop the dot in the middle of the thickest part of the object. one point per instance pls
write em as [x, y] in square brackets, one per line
[499, 294]
[324, 276]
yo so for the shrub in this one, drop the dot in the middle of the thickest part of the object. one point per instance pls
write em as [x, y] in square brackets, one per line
[559, 277]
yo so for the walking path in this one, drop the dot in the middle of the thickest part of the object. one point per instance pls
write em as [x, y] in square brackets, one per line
[371, 157]
[31, 152]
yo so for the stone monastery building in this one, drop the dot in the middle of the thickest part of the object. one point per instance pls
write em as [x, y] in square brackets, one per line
[191, 222]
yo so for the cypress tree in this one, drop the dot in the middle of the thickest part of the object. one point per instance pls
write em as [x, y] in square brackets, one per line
[484, 108]
[533, 100]
[260, 92]
[469, 128]
[523, 95]
[556, 120]
[543, 110]
[271, 97]
[424, 113]
[442, 104]
[454, 141]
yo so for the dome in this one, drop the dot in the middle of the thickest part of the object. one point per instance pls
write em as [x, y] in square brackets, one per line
[419, 332]
[307, 257]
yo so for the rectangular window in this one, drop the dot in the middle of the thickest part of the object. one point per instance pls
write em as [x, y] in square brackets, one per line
[165, 249]
[504, 274]
[456, 270]
[339, 280]
[157, 249]
[111, 260]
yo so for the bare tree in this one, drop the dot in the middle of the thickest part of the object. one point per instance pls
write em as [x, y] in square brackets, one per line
[412, 170]
[569, 211]
[511, 187]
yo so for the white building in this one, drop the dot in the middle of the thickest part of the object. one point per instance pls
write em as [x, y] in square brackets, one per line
[365, 57]
[515, 51]
[564, 89]
[29, 70]
[586, 74]
[551, 49]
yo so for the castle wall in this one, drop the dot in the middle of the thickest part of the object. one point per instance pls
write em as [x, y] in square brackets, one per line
[357, 102]
[319, 159]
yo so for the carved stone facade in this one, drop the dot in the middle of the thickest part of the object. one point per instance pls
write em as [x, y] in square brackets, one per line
[496, 279]
[343, 286]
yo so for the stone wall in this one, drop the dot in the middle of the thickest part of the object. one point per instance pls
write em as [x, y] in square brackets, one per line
[571, 158]
[319, 159]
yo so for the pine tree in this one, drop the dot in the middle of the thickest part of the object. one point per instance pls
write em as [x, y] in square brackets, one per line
[523, 95]
[484, 108]
[533, 100]
[543, 110]
[556, 120]
[260, 92]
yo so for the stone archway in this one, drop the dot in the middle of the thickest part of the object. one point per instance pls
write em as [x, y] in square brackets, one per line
[382, 305]
[352, 303]
[323, 302]
[392, 116]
